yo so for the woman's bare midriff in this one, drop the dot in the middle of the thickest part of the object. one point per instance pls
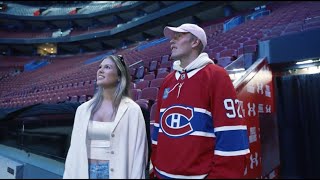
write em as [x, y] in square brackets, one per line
[95, 161]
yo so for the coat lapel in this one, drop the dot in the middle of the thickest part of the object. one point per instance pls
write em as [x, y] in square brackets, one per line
[121, 110]
[85, 118]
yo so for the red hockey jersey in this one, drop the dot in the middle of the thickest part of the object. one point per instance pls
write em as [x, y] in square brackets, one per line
[198, 132]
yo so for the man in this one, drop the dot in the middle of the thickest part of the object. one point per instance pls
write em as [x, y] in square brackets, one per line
[198, 132]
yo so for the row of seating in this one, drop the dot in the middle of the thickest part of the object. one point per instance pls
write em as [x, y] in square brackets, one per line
[67, 70]
[23, 10]
[144, 83]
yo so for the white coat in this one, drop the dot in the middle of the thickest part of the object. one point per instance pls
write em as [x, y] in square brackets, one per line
[128, 139]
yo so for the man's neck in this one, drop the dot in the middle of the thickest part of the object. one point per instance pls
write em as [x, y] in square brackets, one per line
[185, 61]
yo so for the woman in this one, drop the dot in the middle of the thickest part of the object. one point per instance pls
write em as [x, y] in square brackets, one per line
[109, 134]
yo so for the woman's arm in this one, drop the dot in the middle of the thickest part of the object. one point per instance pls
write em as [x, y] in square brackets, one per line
[138, 139]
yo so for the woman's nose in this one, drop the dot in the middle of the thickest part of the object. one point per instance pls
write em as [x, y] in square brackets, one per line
[100, 70]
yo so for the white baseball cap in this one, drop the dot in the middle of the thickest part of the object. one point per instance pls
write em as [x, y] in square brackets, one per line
[191, 28]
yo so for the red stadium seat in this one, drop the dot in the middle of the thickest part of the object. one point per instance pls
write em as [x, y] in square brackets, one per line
[83, 98]
[74, 99]
[142, 103]
[162, 74]
[139, 73]
[153, 65]
[135, 94]
[142, 84]
[149, 93]
[156, 82]
[149, 77]
[161, 70]
[228, 53]
[165, 58]
[132, 85]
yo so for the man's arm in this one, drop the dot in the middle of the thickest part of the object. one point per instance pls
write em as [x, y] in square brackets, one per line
[230, 129]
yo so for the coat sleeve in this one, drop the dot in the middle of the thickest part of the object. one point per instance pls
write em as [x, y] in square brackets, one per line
[68, 162]
[138, 144]
[231, 144]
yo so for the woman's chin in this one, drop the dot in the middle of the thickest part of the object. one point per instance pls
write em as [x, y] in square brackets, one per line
[99, 83]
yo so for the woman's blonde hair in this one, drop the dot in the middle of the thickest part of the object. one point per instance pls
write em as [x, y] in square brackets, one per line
[122, 88]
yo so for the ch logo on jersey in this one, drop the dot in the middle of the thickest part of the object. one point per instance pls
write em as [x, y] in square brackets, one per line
[175, 121]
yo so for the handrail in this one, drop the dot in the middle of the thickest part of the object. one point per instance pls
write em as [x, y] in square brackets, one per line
[250, 73]
[234, 62]
[135, 63]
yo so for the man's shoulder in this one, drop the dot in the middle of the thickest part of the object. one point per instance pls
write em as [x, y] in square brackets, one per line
[216, 69]
[172, 73]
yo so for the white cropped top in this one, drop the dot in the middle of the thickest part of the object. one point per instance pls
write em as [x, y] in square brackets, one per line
[99, 134]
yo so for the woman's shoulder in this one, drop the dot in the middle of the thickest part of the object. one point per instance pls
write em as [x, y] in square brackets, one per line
[131, 103]
[85, 105]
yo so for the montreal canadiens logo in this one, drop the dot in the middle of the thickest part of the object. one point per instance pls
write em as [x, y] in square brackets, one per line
[175, 121]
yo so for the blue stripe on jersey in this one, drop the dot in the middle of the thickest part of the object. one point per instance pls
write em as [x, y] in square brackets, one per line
[155, 132]
[200, 121]
[232, 140]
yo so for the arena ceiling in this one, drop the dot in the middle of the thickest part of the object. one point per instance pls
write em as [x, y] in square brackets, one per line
[202, 12]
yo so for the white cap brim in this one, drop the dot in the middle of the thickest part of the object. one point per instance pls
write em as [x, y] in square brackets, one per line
[169, 31]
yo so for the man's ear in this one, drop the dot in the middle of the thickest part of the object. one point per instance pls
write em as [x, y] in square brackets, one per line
[196, 43]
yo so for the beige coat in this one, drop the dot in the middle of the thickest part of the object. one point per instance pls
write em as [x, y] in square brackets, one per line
[129, 144]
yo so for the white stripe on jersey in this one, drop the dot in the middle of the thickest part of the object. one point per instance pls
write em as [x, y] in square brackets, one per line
[154, 142]
[231, 153]
[156, 124]
[176, 176]
[205, 134]
[230, 128]
[202, 111]
[197, 133]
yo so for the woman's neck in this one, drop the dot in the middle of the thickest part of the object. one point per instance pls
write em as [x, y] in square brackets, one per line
[108, 94]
